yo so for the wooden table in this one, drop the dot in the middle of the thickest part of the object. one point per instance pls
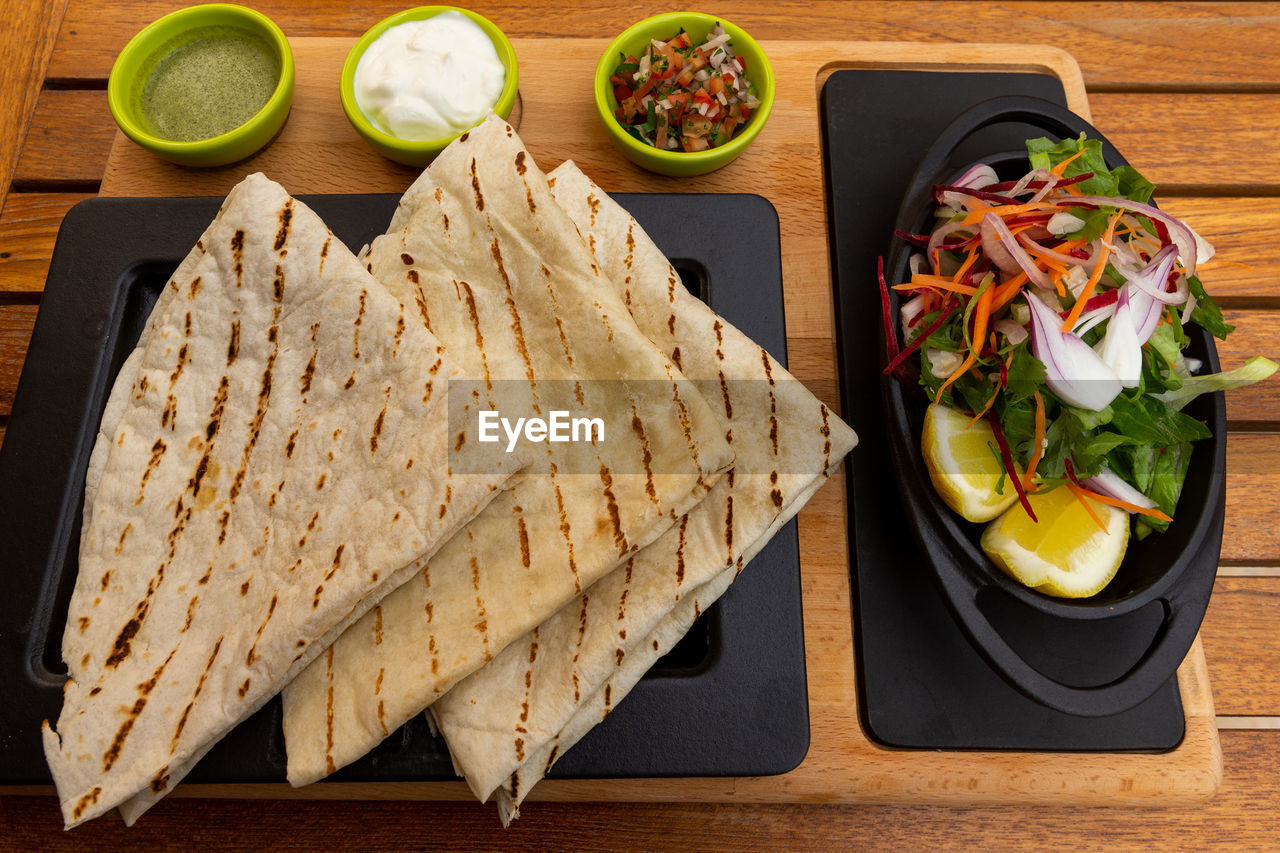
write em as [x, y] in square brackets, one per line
[1192, 91]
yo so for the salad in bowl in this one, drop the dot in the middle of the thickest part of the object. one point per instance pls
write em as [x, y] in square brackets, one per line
[1043, 317]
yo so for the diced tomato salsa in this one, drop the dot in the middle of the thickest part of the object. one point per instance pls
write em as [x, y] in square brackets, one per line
[679, 96]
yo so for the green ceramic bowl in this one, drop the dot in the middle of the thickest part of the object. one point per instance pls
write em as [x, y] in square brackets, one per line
[682, 164]
[420, 152]
[138, 59]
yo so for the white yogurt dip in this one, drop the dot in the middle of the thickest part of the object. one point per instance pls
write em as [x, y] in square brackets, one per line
[429, 79]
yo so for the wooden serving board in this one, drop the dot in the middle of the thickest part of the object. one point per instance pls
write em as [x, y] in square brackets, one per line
[318, 152]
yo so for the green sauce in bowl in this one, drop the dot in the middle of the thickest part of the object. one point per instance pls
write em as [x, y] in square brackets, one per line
[212, 82]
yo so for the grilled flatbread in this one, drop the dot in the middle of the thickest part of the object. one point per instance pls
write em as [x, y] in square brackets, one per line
[486, 260]
[272, 461]
[506, 724]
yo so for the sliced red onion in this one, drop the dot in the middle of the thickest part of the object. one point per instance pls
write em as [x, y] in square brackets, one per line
[1089, 319]
[1012, 329]
[1049, 183]
[1152, 278]
[1120, 347]
[1073, 371]
[978, 176]
[1144, 313]
[1069, 260]
[1183, 237]
[1112, 485]
[941, 233]
[1034, 175]
[1013, 259]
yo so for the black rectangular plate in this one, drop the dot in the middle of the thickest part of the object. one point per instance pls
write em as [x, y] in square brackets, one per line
[920, 682]
[729, 700]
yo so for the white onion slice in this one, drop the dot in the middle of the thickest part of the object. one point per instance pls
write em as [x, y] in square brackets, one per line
[1120, 347]
[1113, 485]
[977, 176]
[1151, 279]
[1012, 329]
[1073, 371]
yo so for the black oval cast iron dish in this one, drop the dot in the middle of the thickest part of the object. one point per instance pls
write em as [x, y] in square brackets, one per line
[1176, 568]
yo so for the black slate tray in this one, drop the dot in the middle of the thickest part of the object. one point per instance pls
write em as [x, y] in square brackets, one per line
[729, 700]
[921, 683]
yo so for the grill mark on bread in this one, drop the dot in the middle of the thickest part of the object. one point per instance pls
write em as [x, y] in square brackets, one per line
[684, 524]
[186, 326]
[355, 342]
[582, 632]
[237, 253]
[291, 444]
[377, 630]
[728, 528]
[210, 432]
[622, 599]
[328, 713]
[182, 721]
[608, 693]
[84, 802]
[475, 322]
[475, 183]
[551, 759]
[324, 254]
[516, 326]
[406, 259]
[255, 425]
[724, 393]
[631, 245]
[191, 613]
[157, 451]
[615, 519]
[395, 346]
[686, 425]
[277, 284]
[566, 532]
[351, 380]
[377, 430]
[564, 340]
[768, 370]
[826, 435]
[675, 358]
[482, 623]
[286, 217]
[233, 344]
[646, 458]
[161, 780]
[307, 374]
[110, 757]
[169, 417]
[252, 656]
[524, 541]
[244, 688]
[337, 562]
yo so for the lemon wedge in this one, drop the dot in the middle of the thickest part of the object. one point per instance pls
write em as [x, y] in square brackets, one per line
[1066, 554]
[961, 464]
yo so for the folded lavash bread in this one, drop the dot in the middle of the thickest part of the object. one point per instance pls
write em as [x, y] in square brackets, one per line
[484, 257]
[506, 724]
[272, 460]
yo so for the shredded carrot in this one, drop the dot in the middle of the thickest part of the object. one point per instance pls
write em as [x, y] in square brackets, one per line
[1125, 505]
[981, 314]
[968, 262]
[940, 282]
[1214, 265]
[1037, 451]
[1006, 210]
[1081, 495]
[1103, 253]
[1008, 290]
[1061, 168]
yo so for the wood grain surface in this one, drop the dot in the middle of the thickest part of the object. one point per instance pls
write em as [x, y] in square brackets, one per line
[1188, 90]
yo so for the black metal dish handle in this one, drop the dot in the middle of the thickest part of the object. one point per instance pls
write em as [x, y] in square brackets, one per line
[1168, 647]
[1181, 617]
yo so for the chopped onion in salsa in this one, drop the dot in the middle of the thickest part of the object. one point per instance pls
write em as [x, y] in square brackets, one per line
[679, 96]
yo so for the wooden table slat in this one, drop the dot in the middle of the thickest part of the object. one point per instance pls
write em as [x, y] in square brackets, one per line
[1241, 634]
[1117, 44]
[68, 141]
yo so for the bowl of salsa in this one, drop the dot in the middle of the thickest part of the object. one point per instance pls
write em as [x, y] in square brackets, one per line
[206, 85]
[684, 93]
